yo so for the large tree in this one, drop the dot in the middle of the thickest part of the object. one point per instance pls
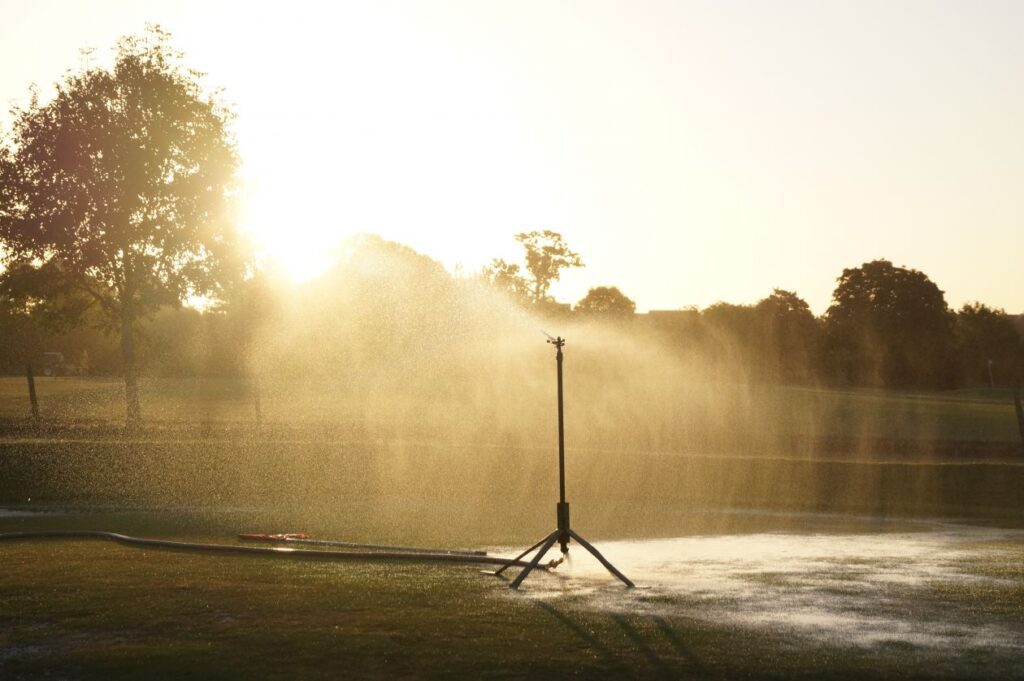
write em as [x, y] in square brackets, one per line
[889, 326]
[989, 349]
[606, 302]
[546, 254]
[788, 336]
[116, 193]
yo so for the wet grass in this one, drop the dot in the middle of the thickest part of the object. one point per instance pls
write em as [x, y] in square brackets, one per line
[97, 611]
[108, 611]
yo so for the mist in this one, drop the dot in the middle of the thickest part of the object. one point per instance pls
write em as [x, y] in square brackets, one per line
[424, 404]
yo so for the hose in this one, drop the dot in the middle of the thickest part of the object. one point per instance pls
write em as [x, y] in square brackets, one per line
[290, 539]
[269, 551]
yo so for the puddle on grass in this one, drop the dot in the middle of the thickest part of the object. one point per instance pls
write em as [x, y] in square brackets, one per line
[26, 513]
[945, 587]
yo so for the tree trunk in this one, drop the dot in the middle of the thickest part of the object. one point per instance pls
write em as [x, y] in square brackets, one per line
[33, 400]
[133, 412]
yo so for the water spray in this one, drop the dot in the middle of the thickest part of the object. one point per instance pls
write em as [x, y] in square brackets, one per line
[563, 533]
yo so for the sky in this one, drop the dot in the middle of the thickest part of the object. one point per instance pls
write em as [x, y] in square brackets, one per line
[691, 152]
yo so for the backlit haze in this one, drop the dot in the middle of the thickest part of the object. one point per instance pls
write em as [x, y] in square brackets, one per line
[690, 152]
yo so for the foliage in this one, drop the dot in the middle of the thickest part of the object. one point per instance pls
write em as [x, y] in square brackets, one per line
[790, 334]
[546, 254]
[394, 319]
[606, 301]
[117, 194]
[20, 337]
[988, 346]
[382, 305]
[889, 326]
[507, 278]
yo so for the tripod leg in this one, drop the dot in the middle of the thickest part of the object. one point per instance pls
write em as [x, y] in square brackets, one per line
[597, 554]
[509, 564]
[548, 543]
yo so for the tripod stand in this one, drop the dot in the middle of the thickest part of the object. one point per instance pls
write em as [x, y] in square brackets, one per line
[563, 533]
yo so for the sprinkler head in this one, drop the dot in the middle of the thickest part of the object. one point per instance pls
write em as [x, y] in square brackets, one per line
[557, 342]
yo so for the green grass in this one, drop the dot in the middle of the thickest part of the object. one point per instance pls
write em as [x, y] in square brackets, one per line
[91, 610]
[96, 399]
[214, 618]
[698, 416]
[961, 415]
[97, 611]
[322, 463]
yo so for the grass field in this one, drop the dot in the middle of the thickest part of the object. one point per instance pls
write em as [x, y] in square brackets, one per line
[809, 539]
[778, 415]
[742, 606]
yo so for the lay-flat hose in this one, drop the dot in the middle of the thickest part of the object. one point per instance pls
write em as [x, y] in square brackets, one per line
[293, 539]
[270, 551]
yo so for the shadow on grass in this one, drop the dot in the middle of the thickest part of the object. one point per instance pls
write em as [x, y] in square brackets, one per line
[640, 642]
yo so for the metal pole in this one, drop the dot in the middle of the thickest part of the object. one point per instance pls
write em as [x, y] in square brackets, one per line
[562, 509]
[561, 427]
[563, 534]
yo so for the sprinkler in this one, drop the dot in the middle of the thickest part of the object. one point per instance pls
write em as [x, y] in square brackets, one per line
[563, 533]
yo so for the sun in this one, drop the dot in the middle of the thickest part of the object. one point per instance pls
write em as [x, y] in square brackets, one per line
[288, 215]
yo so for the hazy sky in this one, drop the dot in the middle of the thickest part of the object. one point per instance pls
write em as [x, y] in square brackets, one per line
[690, 151]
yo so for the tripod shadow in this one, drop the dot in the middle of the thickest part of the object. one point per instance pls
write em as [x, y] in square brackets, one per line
[665, 627]
[643, 646]
[603, 651]
[607, 655]
[681, 659]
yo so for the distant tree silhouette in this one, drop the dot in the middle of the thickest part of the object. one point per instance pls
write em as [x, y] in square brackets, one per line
[546, 254]
[606, 301]
[889, 326]
[116, 194]
[731, 337]
[383, 293]
[789, 336]
[21, 337]
[989, 349]
[507, 278]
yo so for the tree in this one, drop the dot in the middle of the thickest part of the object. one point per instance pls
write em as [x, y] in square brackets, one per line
[889, 326]
[506, 277]
[789, 336]
[988, 346]
[22, 338]
[606, 301]
[546, 255]
[730, 336]
[117, 193]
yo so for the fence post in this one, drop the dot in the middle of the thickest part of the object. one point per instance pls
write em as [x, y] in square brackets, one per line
[256, 400]
[32, 391]
[1020, 414]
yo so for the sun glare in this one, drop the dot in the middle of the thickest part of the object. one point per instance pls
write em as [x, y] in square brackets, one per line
[288, 227]
[388, 130]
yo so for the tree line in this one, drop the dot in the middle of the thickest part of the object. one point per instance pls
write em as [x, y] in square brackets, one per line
[887, 326]
[118, 205]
